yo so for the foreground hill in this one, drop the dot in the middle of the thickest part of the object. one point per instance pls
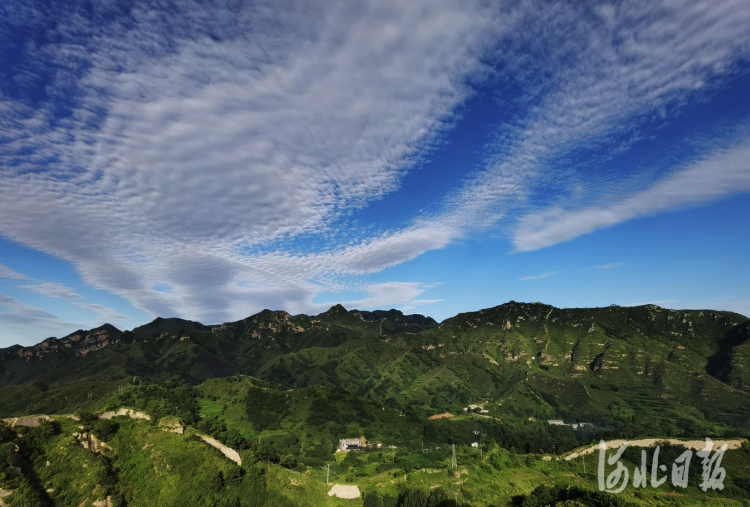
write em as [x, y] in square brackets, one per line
[281, 453]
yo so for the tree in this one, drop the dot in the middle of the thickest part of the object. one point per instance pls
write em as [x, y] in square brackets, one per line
[372, 499]
[413, 498]
[266, 453]
[288, 461]
[438, 498]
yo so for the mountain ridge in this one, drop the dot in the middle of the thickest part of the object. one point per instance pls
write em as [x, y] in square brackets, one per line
[528, 359]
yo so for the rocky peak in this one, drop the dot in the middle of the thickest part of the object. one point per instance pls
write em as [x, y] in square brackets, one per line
[80, 342]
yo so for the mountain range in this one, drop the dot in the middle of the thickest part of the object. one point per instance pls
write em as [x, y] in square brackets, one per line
[675, 372]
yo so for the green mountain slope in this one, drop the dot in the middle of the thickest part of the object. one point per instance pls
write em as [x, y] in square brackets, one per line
[640, 370]
[285, 442]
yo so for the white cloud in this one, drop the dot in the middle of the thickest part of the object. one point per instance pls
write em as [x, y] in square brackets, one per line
[608, 75]
[538, 277]
[104, 313]
[53, 290]
[184, 149]
[197, 149]
[382, 295]
[611, 266]
[20, 317]
[6, 272]
[721, 173]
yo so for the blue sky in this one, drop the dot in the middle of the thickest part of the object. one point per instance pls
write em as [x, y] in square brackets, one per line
[208, 161]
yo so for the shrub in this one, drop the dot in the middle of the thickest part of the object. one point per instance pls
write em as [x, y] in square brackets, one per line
[105, 429]
[413, 498]
[288, 461]
[372, 499]
[544, 495]
[6, 432]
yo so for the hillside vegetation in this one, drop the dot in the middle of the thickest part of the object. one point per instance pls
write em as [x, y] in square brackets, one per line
[282, 390]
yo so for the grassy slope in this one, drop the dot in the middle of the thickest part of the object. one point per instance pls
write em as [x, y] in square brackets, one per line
[634, 372]
[153, 467]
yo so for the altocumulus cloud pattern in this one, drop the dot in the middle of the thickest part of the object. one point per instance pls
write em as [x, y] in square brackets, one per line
[208, 160]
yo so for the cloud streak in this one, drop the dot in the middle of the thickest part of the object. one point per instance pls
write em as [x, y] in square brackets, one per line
[18, 316]
[104, 313]
[721, 173]
[53, 290]
[538, 277]
[6, 272]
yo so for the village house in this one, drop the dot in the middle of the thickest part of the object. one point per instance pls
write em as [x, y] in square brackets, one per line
[352, 444]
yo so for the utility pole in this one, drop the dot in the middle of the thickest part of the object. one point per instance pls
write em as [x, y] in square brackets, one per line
[453, 448]
[456, 494]
[477, 432]
[328, 472]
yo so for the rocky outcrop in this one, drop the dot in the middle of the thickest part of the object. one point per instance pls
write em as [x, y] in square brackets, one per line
[88, 441]
[79, 343]
[275, 322]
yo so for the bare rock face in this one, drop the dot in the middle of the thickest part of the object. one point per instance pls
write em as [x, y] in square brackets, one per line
[269, 323]
[107, 502]
[80, 343]
[89, 442]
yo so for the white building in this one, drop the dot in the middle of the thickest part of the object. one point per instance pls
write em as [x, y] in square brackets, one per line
[351, 444]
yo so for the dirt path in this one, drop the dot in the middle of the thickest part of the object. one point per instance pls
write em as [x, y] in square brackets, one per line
[695, 445]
